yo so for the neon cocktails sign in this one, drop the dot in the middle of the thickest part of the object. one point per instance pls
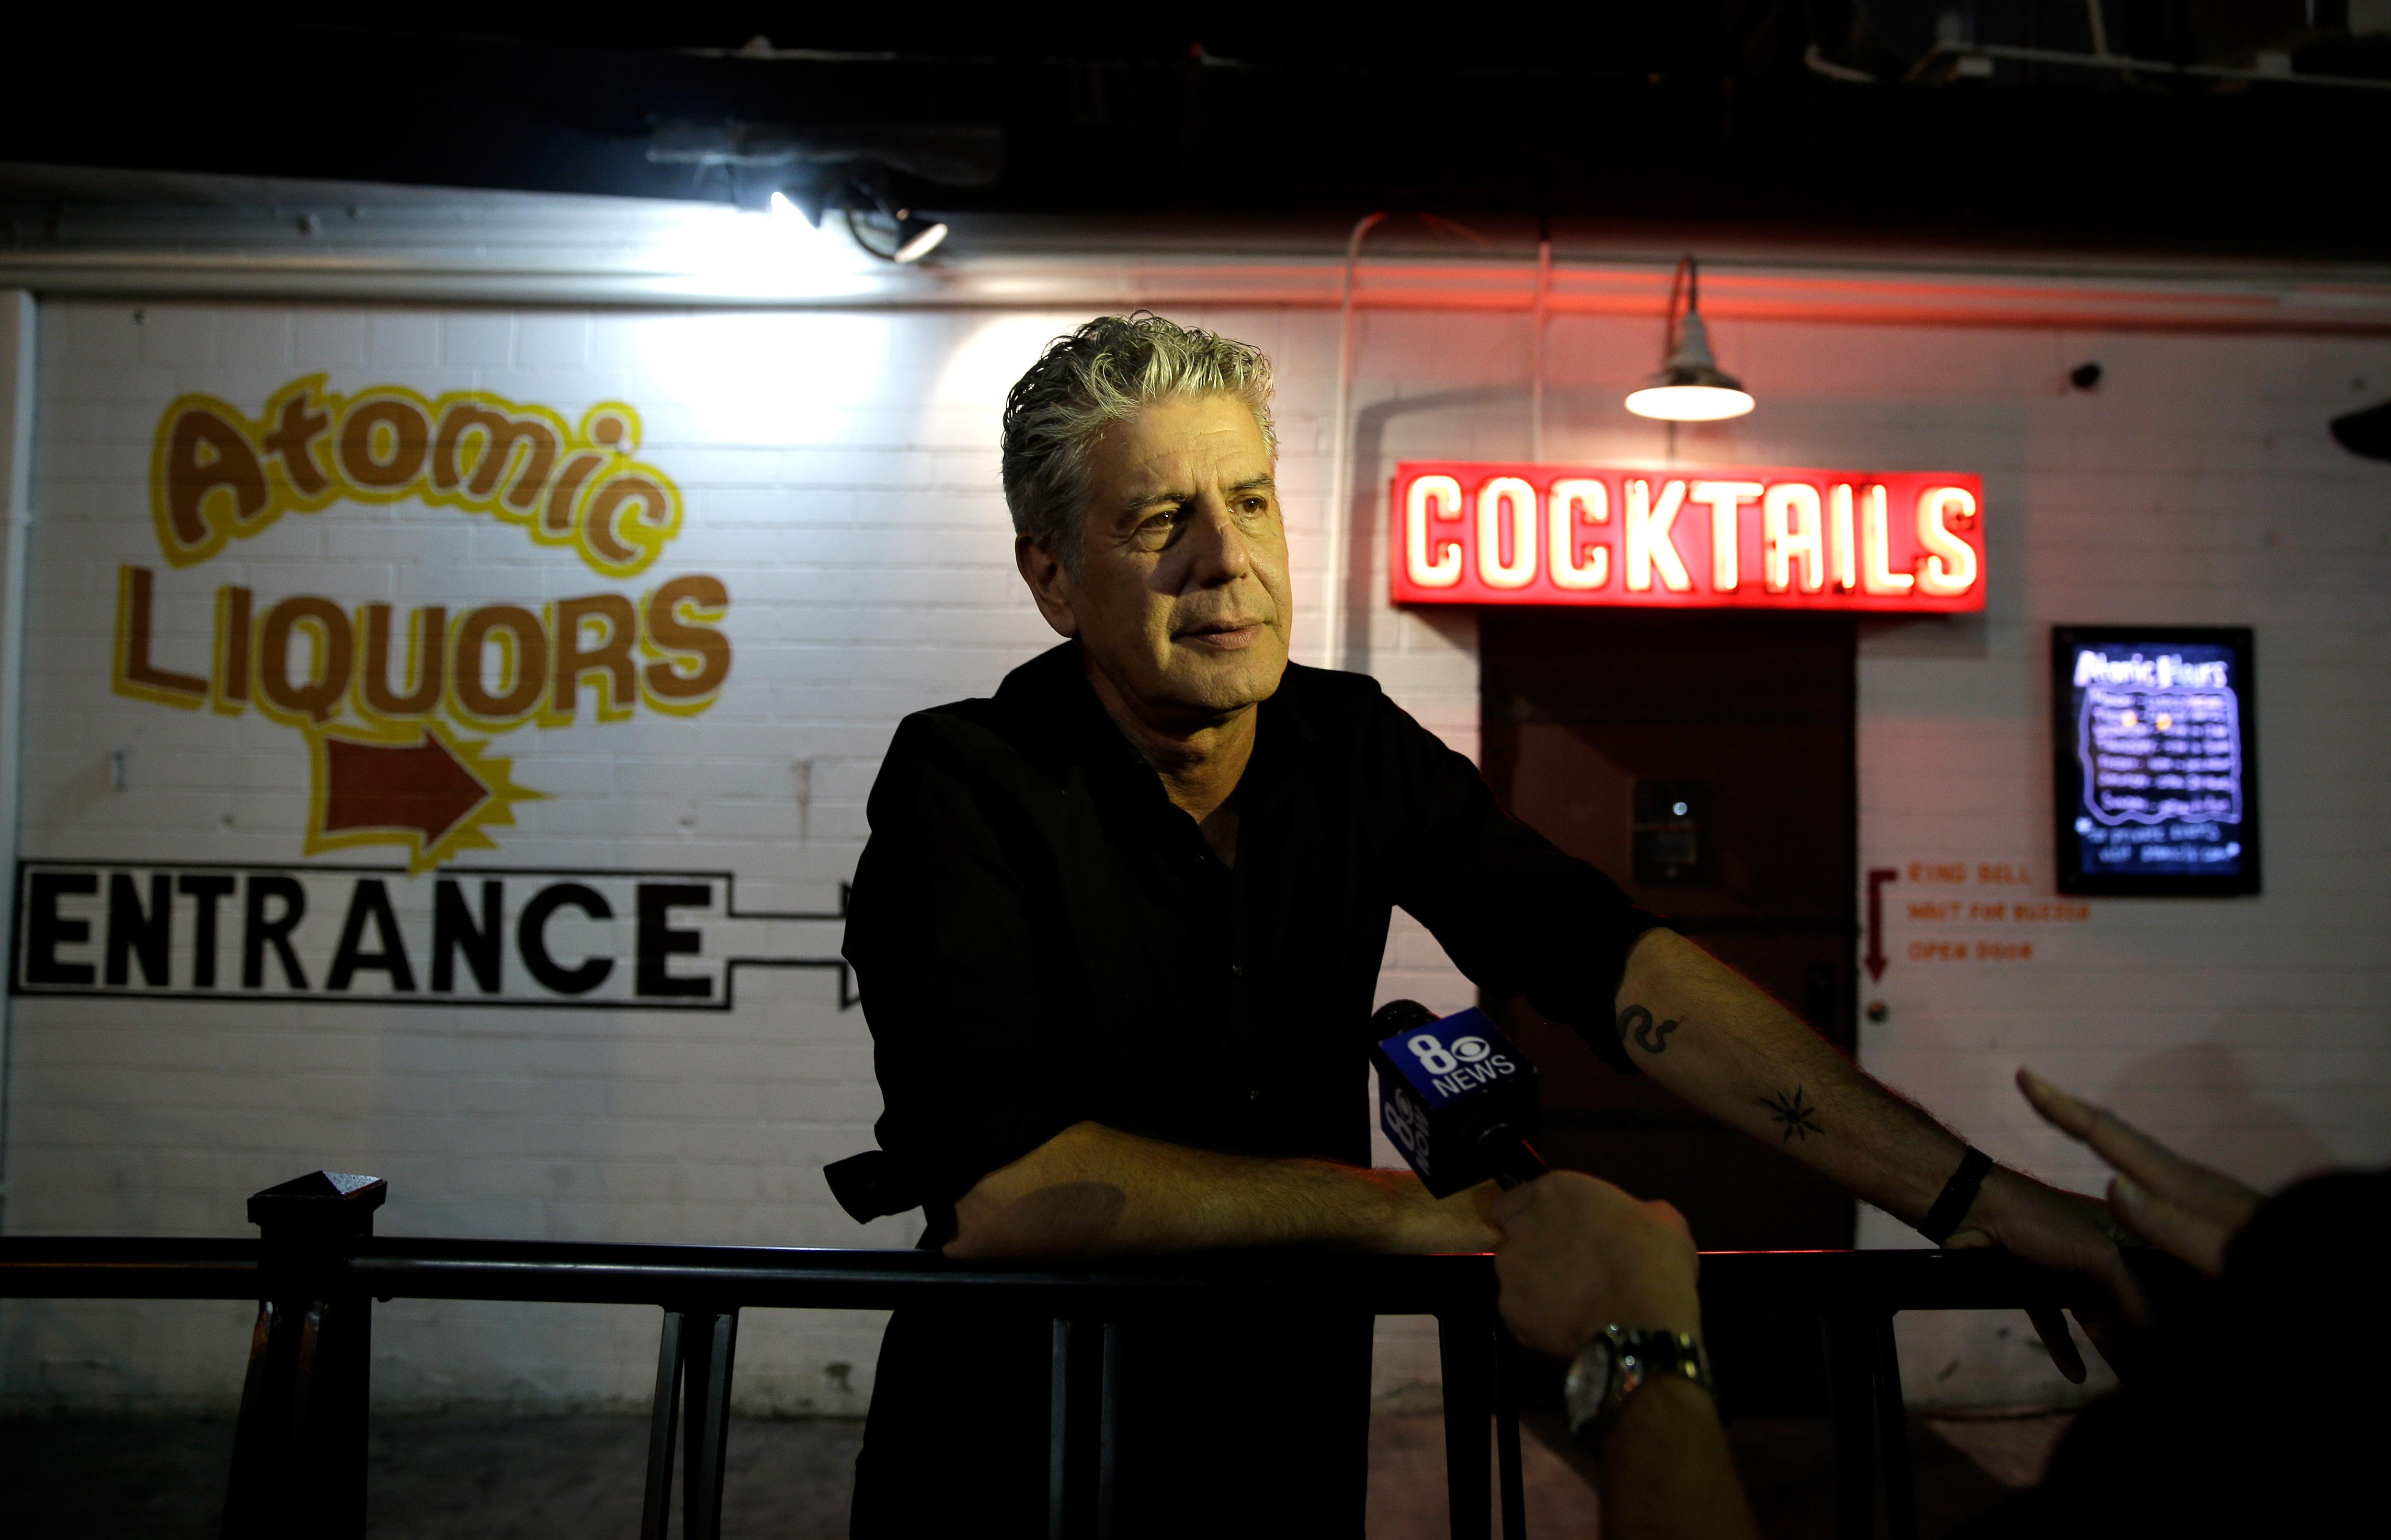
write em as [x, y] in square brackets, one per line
[1737, 536]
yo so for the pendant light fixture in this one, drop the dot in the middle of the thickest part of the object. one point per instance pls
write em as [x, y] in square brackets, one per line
[1690, 386]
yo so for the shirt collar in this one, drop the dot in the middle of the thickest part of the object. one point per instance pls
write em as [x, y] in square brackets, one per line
[1071, 724]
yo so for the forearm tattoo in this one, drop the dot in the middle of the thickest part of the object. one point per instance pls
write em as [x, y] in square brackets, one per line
[1650, 1035]
[1797, 1114]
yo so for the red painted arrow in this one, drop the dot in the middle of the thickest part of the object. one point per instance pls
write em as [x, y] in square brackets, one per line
[418, 786]
[1877, 878]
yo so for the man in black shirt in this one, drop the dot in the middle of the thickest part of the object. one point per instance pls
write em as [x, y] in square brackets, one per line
[1119, 929]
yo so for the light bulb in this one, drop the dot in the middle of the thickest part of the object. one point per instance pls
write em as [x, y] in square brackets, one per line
[1690, 403]
[923, 240]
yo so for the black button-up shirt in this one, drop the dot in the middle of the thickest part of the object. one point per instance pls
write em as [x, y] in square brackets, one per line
[1041, 939]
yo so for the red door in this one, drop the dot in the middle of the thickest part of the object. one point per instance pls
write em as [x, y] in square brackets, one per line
[1704, 761]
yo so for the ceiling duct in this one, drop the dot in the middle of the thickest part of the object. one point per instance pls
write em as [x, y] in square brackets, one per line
[949, 155]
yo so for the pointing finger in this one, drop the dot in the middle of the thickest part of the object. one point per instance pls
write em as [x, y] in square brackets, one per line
[2158, 1169]
[2069, 1115]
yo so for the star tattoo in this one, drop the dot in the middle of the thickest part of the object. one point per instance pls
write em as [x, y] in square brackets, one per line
[1798, 1114]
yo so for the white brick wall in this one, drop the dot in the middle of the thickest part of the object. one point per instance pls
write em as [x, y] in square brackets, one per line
[2197, 486]
[839, 472]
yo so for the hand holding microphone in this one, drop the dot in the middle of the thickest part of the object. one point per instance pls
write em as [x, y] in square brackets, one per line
[1460, 1102]
[1579, 1254]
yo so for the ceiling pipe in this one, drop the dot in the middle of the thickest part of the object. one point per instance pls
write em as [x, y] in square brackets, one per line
[1332, 645]
[1536, 363]
[2137, 66]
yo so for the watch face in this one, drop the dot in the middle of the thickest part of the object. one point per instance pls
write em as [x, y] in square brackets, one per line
[1590, 1377]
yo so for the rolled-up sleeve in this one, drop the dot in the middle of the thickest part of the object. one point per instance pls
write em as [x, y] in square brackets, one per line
[970, 1039]
[1515, 913]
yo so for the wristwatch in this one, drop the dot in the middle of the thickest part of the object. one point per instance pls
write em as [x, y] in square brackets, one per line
[1618, 1363]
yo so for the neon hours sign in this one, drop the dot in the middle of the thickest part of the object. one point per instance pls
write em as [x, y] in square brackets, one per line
[1731, 537]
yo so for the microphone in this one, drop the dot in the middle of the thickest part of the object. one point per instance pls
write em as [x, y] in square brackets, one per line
[1455, 1096]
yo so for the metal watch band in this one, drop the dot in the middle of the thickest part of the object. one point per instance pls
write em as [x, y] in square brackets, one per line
[1617, 1363]
[1958, 1194]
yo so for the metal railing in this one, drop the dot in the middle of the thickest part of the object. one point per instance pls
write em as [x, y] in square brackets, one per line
[299, 1461]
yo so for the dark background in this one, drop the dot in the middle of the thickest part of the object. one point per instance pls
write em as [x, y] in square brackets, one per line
[1739, 113]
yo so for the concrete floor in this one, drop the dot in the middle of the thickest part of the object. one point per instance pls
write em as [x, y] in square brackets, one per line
[487, 1478]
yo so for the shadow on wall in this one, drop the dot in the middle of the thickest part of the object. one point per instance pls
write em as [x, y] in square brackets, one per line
[77, 794]
[2198, 1098]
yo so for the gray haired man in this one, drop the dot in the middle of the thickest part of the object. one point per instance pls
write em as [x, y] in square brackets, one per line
[1119, 929]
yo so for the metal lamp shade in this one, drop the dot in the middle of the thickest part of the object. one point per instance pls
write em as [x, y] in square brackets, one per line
[1690, 386]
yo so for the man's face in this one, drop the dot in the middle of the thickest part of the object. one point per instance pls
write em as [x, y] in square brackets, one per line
[1180, 595]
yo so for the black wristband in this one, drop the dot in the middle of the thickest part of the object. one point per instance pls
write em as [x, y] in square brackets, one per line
[1958, 1194]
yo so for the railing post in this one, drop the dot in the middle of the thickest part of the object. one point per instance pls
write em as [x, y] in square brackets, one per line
[1892, 1432]
[299, 1450]
[1464, 1351]
[1058, 1434]
[705, 1418]
[692, 1408]
[1081, 1409]
[1851, 1385]
[1108, 1433]
[664, 1431]
[1510, 1475]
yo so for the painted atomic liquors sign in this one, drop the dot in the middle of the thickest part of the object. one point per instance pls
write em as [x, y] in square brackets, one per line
[404, 717]
[398, 710]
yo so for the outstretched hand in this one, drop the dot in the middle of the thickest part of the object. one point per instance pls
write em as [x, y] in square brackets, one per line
[2066, 1232]
[2186, 1209]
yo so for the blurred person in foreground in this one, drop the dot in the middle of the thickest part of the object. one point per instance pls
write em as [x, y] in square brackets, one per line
[2259, 1409]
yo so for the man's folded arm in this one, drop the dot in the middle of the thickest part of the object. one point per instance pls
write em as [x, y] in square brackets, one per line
[1522, 918]
[1708, 1034]
[1093, 1191]
[1716, 1039]
[974, 1048]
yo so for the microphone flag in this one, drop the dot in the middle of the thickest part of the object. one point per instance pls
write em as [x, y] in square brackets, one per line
[1455, 1096]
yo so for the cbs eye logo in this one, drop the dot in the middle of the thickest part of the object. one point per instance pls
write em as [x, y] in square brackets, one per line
[1406, 1124]
[1438, 1059]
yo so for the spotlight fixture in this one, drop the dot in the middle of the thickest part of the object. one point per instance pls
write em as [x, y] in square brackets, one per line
[895, 233]
[920, 236]
[1690, 386]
